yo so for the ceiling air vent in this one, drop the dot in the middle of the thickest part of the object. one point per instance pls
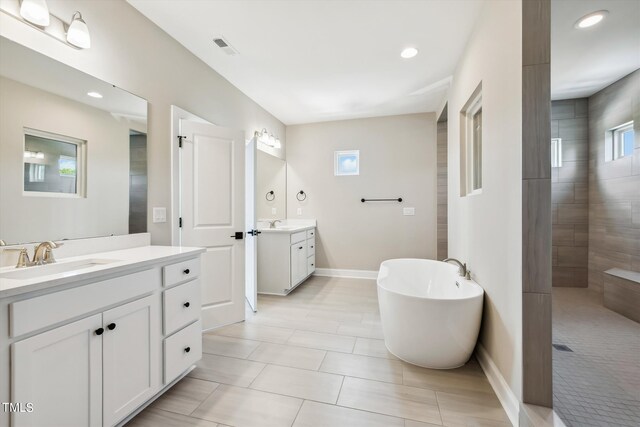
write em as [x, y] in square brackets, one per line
[225, 46]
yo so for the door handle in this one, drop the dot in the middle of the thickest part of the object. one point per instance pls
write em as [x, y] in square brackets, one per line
[238, 236]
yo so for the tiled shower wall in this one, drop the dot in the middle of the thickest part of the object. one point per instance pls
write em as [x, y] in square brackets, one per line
[569, 193]
[443, 243]
[614, 186]
[138, 184]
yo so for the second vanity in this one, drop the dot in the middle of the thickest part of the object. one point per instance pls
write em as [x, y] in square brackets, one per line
[94, 338]
[286, 255]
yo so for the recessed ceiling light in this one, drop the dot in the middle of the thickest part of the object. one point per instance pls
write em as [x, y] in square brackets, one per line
[591, 19]
[94, 94]
[409, 52]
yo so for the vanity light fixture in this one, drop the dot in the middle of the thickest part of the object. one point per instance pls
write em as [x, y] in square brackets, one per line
[78, 32]
[591, 19]
[33, 155]
[36, 12]
[268, 139]
[94, 94]
[409, 52]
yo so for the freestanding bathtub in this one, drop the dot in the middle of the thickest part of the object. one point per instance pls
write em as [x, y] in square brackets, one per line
[430, 315]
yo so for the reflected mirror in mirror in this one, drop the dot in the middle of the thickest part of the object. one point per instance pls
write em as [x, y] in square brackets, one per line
[271, 175]
[73, 152]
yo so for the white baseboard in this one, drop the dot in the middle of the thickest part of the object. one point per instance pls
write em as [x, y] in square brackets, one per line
[509, 401]
[350, 274]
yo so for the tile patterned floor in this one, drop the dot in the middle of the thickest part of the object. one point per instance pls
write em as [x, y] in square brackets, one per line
[316, 359]
[598, 383]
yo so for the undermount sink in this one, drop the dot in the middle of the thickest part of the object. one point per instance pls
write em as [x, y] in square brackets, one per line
[47, 270]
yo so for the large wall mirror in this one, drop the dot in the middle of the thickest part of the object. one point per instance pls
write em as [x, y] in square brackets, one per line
[73, 152]
[271, 187]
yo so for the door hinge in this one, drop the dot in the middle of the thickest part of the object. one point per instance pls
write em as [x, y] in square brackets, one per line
[180, 222]
[180, 138]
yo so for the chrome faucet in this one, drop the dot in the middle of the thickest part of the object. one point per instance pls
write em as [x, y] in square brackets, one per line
[272, 224]
[43, 254]
[462, 267]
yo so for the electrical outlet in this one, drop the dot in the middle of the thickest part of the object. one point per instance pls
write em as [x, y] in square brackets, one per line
[299, 211]
[408, 211]
[274, 211]
[159, 215]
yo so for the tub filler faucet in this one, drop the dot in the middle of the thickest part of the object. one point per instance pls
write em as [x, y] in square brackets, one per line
[462, 267]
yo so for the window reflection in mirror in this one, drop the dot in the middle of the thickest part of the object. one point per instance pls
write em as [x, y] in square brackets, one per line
[53, 164]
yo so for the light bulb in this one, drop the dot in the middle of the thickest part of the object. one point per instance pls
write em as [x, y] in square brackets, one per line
[78, 32]
[35, 11]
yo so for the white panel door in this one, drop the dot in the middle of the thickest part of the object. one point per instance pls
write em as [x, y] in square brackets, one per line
[60, 372]
[131, 357]
[212, 211]
[251, 245]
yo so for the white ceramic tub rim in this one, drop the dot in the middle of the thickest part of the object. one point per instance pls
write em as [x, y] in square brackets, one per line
[479, 291]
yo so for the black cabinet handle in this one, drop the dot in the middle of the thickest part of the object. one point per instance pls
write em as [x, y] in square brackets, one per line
[187, 271]
[186, 304]
[187, 349]
[311, 247]
[111, 326]
[300, 247]
[311, 265]
[99, 331]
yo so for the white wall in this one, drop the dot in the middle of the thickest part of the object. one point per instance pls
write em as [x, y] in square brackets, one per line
[132, 53]
[397, 159]
[485, 230]
[104, 210]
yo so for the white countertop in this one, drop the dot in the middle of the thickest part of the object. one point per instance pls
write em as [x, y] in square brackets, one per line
[287, 226]
[119, 261]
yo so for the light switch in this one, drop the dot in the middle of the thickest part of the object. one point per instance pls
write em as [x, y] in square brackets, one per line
[299, 211]
[159, 215]
[273, 211]
[408, 211]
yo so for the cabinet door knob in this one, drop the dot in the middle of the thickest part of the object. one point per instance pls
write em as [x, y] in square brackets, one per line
[187, 271]
[187, 349]
[187, 304]
[99, 331]
[111, 326]
[311, 247]
[300, 247]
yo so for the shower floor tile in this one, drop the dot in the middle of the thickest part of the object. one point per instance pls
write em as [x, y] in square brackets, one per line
[597, 383]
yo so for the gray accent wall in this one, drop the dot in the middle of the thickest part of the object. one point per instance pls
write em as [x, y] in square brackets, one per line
[614, 186]
[569, 193]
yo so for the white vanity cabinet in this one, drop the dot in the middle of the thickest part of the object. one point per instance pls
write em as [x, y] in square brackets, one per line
[60, 372]
[286, 258]
[95, 352]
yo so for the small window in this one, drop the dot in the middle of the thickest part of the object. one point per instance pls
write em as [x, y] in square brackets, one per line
[556, 152]
[471, 144]
[347, 163]
[622, 139]
[53, 164]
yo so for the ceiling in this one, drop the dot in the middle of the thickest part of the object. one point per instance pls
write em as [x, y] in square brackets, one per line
[317, 60]
[588, 60]
[311, 61]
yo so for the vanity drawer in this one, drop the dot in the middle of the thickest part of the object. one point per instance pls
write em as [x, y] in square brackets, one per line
[181, 350]
[311, 264]
[181, 306]
[311, 234]
[298, 237]
[181, 271]
[47, 310]
[311, 246]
